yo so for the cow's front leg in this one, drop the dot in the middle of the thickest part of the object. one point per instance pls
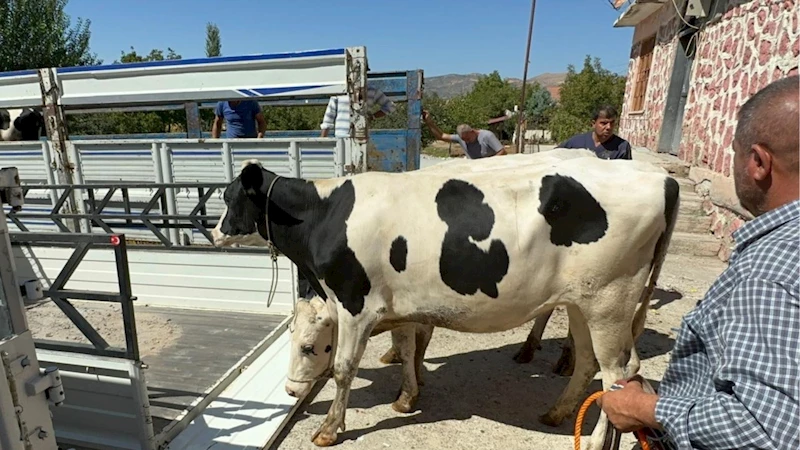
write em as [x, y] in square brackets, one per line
[404, 340]
[353, 335]
[585, 370]
[533, 342]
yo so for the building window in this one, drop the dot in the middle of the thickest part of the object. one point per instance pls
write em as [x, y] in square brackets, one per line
[642, 73]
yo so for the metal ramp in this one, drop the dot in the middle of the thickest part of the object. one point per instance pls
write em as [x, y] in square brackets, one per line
[250, 413]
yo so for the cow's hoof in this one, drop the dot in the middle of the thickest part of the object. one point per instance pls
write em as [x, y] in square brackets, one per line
[391, 357]
[549, 420]
[524, 355]
[565, 366]
[324, 438]
[405, 403]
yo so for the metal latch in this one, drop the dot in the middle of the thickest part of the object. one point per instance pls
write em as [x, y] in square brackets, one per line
[10, 190]
[50, 383]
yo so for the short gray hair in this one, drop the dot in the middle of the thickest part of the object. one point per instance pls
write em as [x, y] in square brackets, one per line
[463, 128]
[769, 118]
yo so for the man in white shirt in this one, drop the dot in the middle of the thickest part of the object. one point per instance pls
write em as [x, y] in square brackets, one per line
[337, 115]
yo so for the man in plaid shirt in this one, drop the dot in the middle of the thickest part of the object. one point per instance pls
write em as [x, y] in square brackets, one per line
[734, 378]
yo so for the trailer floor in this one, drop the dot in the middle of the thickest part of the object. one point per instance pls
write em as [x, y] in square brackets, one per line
[211, 342]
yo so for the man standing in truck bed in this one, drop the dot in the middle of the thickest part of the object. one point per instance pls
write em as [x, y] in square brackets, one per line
[337, 114]
[241, 117]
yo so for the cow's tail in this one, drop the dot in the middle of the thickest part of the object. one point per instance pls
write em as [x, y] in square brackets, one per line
[671, 206]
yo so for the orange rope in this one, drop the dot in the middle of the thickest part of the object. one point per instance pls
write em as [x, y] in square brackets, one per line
[582, 412]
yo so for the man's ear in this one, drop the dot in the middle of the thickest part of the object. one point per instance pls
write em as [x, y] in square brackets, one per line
[762, 162]
[252, 178]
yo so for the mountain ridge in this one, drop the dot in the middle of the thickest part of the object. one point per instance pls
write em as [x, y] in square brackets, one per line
[452, 85]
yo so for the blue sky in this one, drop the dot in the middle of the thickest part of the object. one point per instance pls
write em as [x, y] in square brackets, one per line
[438, 36]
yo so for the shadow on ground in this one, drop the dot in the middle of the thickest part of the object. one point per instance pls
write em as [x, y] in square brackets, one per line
[662, 298]
[485, 383]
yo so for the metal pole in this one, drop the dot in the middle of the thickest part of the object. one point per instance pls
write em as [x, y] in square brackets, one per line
[521, 117]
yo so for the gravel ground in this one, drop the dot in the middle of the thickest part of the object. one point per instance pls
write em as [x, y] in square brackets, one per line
[476, 397]
[155, 331]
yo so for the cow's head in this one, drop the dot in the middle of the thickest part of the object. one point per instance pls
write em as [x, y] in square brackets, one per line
[313, 346]
[30, 124]
[25, 124]
[243, 221]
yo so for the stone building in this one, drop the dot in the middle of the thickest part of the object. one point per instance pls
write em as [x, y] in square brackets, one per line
[693, 63]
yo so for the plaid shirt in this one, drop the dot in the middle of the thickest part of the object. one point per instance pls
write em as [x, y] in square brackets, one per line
[733, 378]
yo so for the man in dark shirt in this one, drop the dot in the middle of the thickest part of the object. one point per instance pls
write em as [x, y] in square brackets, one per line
[602, 139]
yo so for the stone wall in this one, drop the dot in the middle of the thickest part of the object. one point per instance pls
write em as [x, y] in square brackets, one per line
[752, 44]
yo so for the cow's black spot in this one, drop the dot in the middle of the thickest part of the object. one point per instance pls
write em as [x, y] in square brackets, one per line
[398, 254]
[464, 266]
[309, 230]
[328, 349]
[571, 211]
[671, 194]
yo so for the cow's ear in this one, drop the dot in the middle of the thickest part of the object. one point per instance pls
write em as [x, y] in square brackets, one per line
[252, 178]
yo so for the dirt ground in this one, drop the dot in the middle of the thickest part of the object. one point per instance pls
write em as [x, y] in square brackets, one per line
[477, 397]
[155, 331]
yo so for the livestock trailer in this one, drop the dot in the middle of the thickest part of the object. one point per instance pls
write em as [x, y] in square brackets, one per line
[125, 220]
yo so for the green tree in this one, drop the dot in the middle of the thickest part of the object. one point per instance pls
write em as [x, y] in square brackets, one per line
[154, 55]
[490, 97]
[213, 49]
[581, 93]
[539, 106]
[38, 33]
[213, 43]
[293, 117]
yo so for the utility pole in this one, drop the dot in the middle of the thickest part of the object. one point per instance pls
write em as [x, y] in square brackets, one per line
[521, 114]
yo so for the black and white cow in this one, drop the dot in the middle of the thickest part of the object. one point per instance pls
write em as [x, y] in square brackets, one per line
[479, 252]
[24, 124]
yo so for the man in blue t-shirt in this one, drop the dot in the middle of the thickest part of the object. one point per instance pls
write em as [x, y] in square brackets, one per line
[602, 139]
[241, 117]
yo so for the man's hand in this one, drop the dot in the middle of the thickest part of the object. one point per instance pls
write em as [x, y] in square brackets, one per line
[426, 116]
[630, 408]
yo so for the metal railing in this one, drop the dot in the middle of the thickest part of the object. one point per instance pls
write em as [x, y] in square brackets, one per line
[144, 209]
[61, 296]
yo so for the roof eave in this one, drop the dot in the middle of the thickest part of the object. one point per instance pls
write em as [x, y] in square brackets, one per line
[637, 12]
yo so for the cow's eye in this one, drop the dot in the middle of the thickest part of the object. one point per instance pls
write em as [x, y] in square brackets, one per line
[307, 349]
